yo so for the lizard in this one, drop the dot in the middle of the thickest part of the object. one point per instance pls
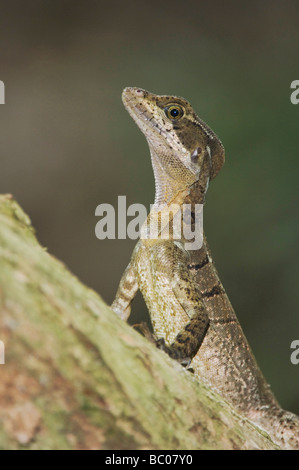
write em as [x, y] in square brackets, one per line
[192, 317]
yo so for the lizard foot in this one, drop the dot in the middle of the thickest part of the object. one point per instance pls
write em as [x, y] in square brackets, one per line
[173, 353]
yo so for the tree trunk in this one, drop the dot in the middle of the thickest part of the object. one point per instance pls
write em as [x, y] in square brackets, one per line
[77, 377]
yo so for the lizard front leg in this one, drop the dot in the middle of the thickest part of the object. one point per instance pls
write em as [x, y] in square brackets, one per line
[170, 261]
[126, 292]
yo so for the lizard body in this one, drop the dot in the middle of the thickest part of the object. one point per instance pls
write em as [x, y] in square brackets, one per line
[189, 308]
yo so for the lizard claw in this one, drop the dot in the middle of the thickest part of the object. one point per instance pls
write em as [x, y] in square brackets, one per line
[185, 361]
[144, 329]
[160, 343]
[173, 353]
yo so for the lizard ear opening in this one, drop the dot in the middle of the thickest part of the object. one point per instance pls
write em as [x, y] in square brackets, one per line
[195, 155]
[217, 156]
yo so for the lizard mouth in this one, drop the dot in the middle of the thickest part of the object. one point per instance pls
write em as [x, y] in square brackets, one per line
[138, 106]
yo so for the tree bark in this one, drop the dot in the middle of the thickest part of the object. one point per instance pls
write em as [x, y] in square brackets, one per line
[77, 377]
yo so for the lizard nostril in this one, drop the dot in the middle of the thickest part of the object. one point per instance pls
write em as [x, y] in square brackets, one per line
[139, 91]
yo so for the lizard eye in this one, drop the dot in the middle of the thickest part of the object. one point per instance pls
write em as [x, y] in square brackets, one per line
[174, 111]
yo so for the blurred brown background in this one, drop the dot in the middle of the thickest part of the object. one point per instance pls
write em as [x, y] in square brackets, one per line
[67, 144]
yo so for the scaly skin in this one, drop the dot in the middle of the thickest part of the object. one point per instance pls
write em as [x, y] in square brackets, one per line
[189, 309]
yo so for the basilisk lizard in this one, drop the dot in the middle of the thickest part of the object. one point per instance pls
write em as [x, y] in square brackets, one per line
[189, 309]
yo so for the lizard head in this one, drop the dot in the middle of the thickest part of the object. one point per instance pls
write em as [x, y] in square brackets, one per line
[182, 146]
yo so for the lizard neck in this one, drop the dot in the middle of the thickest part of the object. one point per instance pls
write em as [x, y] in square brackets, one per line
[175, 185]
[168, 187]
[171, 197]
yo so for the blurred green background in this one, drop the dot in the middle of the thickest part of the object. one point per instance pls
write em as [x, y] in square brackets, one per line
[67, 144]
